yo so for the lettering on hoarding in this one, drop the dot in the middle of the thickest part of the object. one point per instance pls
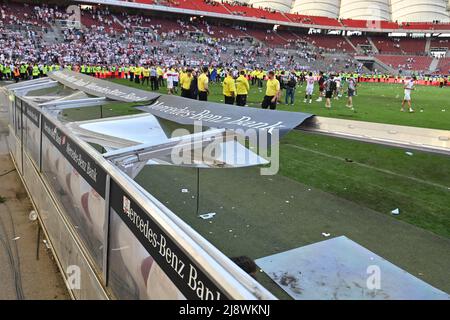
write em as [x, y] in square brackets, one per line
[98, 88]
[82, 164]
[188, 277]
[208, 116]
[78, 158]
[53, 133]
[32, 114]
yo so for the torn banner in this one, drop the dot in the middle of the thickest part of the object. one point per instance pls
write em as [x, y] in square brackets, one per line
[217, 115]
[185, 111]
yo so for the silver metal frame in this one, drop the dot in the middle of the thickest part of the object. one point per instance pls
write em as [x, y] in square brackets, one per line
[224, 273]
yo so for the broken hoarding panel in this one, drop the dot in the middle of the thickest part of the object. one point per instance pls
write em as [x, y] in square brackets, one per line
[341, 269]
[149, 137]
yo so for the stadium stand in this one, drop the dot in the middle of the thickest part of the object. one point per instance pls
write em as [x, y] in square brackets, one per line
[359, 40]
[219, 38]
[244, 10]
[247, 11]
[100, 19]
[411, 45]
[312, 20]
[443, 66]
[355, 23]
[440, 43]
[424, 26]
[416, 63]
[330, 42]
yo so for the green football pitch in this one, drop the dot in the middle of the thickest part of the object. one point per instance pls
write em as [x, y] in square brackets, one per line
[318, 191]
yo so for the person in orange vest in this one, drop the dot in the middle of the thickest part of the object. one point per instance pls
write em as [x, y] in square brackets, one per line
[16, 74]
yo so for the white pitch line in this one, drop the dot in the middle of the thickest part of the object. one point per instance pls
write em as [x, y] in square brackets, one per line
[372, 167]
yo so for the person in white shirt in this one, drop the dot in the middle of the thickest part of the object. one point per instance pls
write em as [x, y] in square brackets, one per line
[175, 79]
[409, 86]
[337, 91]
[309, 87]
[170, 76]
[351, 92]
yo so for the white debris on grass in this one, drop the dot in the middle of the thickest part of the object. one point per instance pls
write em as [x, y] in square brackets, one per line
[46, 243]
[207, 216]
[33, 215]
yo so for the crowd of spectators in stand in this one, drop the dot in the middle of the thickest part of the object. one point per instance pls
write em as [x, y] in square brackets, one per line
[233, 3]
[300, 19]
[101, 44]
[211, 2]
[125, 39]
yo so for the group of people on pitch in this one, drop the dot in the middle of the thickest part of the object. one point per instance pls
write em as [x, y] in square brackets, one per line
[333, 87]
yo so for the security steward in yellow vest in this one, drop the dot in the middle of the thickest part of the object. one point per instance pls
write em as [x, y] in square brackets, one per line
[203, 85]
[229, 88]
[272, 92]
[145, 75]
[242, 87]
[137, 74]
[185, 82]
[36, 72]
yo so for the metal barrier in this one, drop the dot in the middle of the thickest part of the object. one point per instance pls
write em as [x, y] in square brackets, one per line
[111, 238]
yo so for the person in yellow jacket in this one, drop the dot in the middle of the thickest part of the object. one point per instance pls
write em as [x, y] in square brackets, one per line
[160, 74]
[229, 88]
[242, 87]
[260, 77]
[203, 85]
[273, 92]
[185, 82]
[145, 75]
[137, 74]
[36, 72]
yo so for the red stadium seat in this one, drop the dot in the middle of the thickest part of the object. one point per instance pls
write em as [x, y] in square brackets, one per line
[443, 66]
[415, 63]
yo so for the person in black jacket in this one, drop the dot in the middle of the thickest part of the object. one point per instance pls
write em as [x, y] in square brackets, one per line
[194, 86]
[290, 88]
[321, 83]
[330, 87]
